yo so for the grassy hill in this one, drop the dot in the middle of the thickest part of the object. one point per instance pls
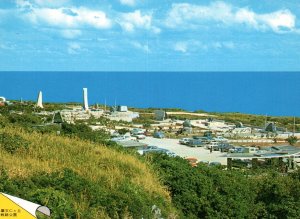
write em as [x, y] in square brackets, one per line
[77, 178]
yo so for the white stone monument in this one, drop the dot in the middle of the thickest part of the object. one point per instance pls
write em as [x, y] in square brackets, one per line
[40, 100]
[85, 99]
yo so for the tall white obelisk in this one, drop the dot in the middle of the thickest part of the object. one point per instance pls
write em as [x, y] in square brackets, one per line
[85, 99]
[40, 100]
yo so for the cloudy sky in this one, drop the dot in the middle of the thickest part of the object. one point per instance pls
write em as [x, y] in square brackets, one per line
[149, 35]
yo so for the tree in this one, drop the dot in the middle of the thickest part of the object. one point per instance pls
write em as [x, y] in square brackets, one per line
[123, 131]
[292, 140]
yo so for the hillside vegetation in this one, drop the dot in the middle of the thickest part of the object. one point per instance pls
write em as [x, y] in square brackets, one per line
[212, 192]
[80, 173]
[77, 178]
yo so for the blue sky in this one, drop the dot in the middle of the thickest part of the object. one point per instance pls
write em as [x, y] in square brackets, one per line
[149, 35]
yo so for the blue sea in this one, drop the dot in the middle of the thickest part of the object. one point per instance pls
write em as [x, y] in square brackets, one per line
[271, 93]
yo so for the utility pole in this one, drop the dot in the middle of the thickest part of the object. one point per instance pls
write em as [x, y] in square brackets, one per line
[294, 128]
[266, 121]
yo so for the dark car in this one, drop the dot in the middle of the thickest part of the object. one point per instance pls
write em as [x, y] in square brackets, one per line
[224, 147]
[195, 142]
[158, 135]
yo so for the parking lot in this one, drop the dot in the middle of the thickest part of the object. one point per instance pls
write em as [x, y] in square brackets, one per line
[173, 145]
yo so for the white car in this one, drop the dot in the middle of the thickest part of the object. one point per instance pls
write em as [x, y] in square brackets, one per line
[124, 138]
[214, 145]
[184, 141]
[137, 131]
[140, 136]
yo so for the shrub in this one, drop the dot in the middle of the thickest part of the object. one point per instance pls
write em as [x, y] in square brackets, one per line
[3, 121]
[292, 140]
[208, 192]
[70, 195]
[12, 142]
[123, 131]
[83, 131]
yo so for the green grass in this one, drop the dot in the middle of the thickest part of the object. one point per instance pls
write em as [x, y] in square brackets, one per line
[127, 187]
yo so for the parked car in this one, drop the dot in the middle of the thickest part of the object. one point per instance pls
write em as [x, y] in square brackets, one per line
[124, 138]
[251, 150]
[137, 131]
[140, 136]
[115, 134]
[195, 142]
[152, 149]
[220, 139]
[158, 135]
[236, 150]
[214, 145]
[184, 141]
[204, 139]
[225, 147]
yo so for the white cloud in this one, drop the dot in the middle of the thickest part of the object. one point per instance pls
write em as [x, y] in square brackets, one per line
[143, 47]
[185, 15]
[70, 33]
[128, 2]
[41, 3]
[23, 4]
[189, 46]
[279, 20]
[192, 46]
[136, 20]
[74, 48]
[69, 18]
[181, 47]
[51, 3]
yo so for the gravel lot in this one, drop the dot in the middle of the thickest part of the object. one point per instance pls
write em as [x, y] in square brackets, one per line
[173, 145]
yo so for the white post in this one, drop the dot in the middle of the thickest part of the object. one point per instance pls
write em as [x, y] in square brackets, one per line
[85, 99]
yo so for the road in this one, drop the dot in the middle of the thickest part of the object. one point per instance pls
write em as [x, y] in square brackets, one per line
[173, 145]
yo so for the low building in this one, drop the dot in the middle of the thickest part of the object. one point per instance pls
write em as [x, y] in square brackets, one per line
[122, 109]
[123, 116]
[2, 101]
[160, 115]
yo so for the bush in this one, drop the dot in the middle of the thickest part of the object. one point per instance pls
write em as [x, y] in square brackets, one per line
[3, 121]
[66, 192]
[24, 119]
[83, 131]
[123, 131]
[12, 142]
[292, 140]
[209, 192]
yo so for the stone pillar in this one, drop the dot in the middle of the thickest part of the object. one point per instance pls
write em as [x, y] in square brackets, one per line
[40, 100]
[85, 99]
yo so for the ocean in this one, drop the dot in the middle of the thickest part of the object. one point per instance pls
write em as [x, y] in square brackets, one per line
[271, 93]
